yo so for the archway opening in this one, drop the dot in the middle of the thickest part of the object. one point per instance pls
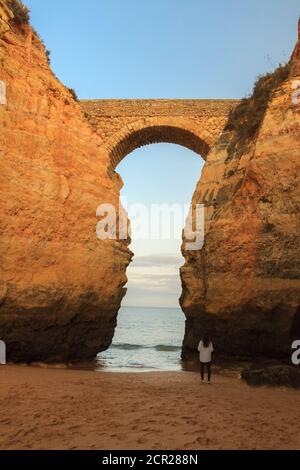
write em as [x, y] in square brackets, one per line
[150, 326]
[154, 134]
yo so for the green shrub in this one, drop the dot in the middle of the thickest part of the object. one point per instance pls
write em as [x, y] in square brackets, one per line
[20, 11]
[48, 55]
[245, 120]
[73, 93]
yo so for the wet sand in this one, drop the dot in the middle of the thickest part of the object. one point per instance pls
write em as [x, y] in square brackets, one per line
[70, 409]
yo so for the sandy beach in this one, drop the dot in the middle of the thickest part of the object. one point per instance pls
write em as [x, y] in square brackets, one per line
[73, 409]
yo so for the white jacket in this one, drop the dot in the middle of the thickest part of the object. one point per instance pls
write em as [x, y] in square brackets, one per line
[205, 353]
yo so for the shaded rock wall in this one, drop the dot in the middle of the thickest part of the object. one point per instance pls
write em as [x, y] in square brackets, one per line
[243, 286]
[60, 287]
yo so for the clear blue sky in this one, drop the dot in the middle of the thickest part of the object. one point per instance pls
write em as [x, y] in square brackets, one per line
[163, 49]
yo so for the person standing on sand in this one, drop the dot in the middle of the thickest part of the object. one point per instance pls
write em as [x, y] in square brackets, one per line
[205, 349]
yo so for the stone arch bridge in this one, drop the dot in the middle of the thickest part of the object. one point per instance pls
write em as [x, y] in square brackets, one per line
[124, 125]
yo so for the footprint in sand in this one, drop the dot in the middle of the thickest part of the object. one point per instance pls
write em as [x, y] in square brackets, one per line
[5, 421]
[73, 428]
[134, 428]
[142, 440]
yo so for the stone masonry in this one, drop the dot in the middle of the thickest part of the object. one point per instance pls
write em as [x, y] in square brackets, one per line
[124, 125]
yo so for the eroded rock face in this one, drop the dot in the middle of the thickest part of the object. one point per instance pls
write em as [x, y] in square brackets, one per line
[275, 376]
[60, 286]
[6, 16]
[296, 56]
[243, 286]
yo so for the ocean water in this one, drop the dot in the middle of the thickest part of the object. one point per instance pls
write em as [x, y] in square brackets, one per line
[146, 339]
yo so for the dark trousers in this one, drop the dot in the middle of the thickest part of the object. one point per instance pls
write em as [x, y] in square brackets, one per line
[208, 368]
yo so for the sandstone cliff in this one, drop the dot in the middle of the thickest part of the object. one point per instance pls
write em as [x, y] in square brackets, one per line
[60, 287]
[243, 286]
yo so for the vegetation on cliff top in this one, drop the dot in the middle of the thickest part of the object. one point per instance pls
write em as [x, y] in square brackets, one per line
[245, 120]
[48, 55]
[22, 17]
[20, 11]
[73, 93]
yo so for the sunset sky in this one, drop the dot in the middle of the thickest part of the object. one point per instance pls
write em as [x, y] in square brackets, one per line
[163, 49]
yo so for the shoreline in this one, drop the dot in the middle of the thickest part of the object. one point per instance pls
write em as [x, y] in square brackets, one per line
[221, 364]
[92, 366]
[79, 409]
